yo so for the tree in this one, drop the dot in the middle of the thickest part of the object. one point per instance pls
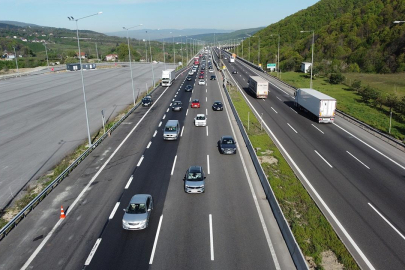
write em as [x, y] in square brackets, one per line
[336, 78]
[356, 85]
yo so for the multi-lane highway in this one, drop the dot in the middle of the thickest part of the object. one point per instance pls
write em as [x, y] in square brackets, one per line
[357, 180]
[230, 226]
[42, 118]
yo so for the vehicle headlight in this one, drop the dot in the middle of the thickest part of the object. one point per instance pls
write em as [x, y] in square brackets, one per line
[202, 186]
[124, 222]
[142, 222]
[187, 186]
[222, 149]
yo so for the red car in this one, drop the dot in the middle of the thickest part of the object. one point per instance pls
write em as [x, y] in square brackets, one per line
[195, 103]
[201, 77]
[202, 72]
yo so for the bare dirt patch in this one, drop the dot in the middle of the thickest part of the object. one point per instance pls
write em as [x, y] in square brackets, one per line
[330, 262]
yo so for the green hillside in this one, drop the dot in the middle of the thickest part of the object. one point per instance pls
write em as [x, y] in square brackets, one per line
[350, 35]
[239, 34]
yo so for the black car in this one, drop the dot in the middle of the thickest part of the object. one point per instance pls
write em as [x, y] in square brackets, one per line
[147, 101]
[227, 145]
[188, 88]
[217, 106]
[177, 106]
[213, 77]
[189, 78]
[203, 68]
[235, 72]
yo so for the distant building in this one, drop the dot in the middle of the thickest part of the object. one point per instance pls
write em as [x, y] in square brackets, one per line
[73, 67]
[305, 67]
[24, 39]
[111, 57]
[9, 56]
[82, 55]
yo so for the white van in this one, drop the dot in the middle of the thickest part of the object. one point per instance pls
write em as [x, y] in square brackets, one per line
[171, 130]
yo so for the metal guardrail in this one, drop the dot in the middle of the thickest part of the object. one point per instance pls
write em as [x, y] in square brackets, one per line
[383, 136]
[27, 209]
[292, 245]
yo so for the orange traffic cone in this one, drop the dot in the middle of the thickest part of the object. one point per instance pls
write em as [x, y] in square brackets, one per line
[62, 213]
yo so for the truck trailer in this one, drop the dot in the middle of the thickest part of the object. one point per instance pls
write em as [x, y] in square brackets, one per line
[258, 86]
[318, 104]
[168, 76]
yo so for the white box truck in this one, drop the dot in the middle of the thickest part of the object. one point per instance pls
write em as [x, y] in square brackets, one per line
[168, 76]
[320, 105]
[258, 86]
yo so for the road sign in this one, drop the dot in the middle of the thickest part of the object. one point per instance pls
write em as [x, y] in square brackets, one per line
[271, 65]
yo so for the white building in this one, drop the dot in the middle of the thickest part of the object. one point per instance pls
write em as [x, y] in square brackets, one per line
[306, 67]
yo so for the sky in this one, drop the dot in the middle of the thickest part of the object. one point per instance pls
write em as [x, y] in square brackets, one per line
[153, 14]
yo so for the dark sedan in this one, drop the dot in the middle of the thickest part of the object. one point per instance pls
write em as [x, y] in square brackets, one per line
[217, 106]
[227, 145]
[177, 106]
[188, 88]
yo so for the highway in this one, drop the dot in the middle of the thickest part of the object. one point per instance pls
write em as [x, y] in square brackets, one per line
[42, 117]
[230, 226]
[356, 179]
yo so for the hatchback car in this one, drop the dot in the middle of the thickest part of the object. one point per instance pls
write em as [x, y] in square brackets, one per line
[188, 88]
[213, 77]
[227, 145]
[201, 76]
[235, 72]
[138, 212]
[201, 82]
[195, 103]
[217, 106]
[190, 72]
[177, 106]
[200, 120]
[189, 78]
[211, 70]
[194, 180]
[147, 101]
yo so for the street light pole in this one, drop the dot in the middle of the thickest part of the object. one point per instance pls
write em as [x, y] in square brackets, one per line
[130, 61]
[81, 73]
[312, 63]
[151, 61]
[98, 59]
[15, 57]
[278, 55]
[181, 49]
[46, 52]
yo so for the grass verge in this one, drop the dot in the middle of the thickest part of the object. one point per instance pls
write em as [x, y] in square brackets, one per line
[312, 231]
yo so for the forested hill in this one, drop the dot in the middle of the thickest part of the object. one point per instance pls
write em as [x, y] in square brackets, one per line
[350, 35]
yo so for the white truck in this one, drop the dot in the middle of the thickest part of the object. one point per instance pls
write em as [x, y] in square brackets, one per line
[320, 105]
[168, 76]
[258, 86]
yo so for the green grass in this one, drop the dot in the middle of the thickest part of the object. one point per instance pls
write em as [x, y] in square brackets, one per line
[350, 102]
[312, 231]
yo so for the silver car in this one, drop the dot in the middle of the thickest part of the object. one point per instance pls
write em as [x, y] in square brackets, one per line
[138, 212]
[194, 180]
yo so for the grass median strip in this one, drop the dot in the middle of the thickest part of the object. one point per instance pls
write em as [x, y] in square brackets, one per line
[315, 236]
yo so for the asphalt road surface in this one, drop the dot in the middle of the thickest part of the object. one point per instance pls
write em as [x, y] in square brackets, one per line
[230, 226]
[42, 118]
[359, 178]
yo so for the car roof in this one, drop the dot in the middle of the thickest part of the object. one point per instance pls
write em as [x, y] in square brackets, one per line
[195, 169]
[140, 198]
[227, 137]
[216, 101]
[200, 115]
[196, 100]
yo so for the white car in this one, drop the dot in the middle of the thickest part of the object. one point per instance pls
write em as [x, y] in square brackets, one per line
[190, 72]
[200, 120]
[194, 70]
[201, 82]
[211, 70]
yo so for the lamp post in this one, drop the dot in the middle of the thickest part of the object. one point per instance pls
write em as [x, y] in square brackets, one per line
[164, 53]
[98, 59]
[312, 63]
[81, 71]
[278, 55]
[46, 52]
[15, 57]
[130, 62]
[181, 49]
[151, 62]
[174, 51]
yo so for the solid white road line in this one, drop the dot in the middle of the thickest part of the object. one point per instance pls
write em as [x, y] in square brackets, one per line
[390, 159]
[167, 110]
[156, 239]
[211, 238]
[187, 112]
[114, 210]
[207, 130]
[386, 220]
[317, 128]
[92, 252]
[305, 179]
[174, 164]
[148, 145]
[160, 123]
[293, 110]
[140, 161]
[274, 110]
[154, 134]
[358, 160]
[129, 182]
[78, 198]
[208, 164]
[259, 211]
[323, 158]
[182, 129]
[292, 128]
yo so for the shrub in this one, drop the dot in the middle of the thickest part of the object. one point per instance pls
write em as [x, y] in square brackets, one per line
[336, 78]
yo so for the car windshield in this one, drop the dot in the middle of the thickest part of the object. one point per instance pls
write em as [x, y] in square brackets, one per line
[196, 101]
[218, 103]
[146, 99]
[200, 117]
[195, 176]
[136, 208]
[227, 141]
[177, 103]
[170, 128]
